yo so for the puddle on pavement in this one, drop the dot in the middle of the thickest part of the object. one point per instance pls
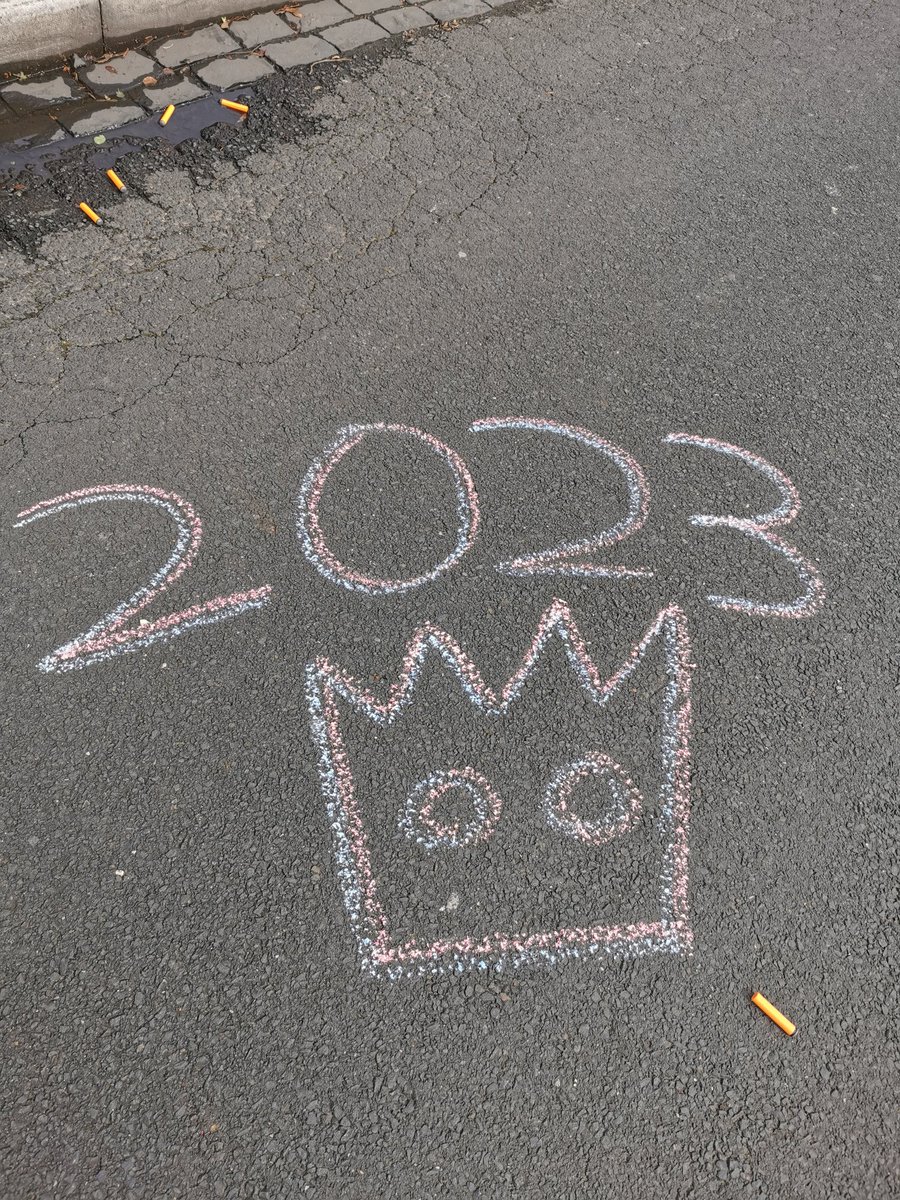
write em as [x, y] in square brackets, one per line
[188, 121]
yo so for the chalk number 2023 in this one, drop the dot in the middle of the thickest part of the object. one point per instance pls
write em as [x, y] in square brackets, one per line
[123, 629]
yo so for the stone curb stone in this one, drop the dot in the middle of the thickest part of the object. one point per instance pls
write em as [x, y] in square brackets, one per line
[319, 15]
[399, 20]
[264, 27]
[42, 93]
[300, 52]
[107, 116]
[205, 43]
[34, 30]
[455, 10]
[177, 93]
[355, 33]
[363, 7]
[128, 18]
[118, 73]
[229, 72]
[229, 64]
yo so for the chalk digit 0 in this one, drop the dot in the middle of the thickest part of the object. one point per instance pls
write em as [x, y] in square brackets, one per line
[312, 537]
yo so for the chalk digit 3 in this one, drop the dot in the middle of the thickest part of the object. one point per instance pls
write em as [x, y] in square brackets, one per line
[312, 537]
[570, 558]
[760, 527]
[113, 634]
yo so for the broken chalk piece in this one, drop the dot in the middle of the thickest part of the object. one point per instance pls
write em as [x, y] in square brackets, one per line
[115, 180]
[234, 106]
[89, 213]
[773, 1014]
[167, 114]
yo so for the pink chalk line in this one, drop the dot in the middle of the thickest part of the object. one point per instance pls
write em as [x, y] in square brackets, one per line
[759, 527]
[626, 798]
[417, 820]
[566, 558]
[111, 635]
[312, 537]
[327, 684]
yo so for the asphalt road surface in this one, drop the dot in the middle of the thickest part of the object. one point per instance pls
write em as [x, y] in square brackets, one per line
[342, 863]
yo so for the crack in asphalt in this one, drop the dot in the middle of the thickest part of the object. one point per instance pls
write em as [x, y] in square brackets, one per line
[396, 149]
[633, 219]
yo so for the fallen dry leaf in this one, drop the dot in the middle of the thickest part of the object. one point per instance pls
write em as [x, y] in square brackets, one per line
[149, 80]
[293, 9]
[104, 58]
[225, 22]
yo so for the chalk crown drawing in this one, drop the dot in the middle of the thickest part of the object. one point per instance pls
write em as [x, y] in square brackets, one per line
[333, 694]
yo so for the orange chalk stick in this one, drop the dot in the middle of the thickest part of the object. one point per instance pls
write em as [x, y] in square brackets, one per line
[167, 114]
[773, 1014]
[89, 213]
[234, 106]
[115, 180]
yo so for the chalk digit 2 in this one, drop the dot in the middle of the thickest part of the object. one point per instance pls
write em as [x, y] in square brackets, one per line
[760, 527]
[569, 558]
[112, 635]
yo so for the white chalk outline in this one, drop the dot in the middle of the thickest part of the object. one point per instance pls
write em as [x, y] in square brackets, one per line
[557, 560]
[111, 635]
[759, 527]
[627, 798]
[312, 536]
[418, 822]
[380, 955]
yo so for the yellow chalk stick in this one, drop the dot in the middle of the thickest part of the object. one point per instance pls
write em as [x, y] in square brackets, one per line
[233, 104]
[167, 115]
[773, 1014]
[115, 180]
[89, 213]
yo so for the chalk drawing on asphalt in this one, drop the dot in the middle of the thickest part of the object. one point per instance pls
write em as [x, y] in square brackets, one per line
[331, 690]
[312, 536]
[115, 633]
[418, 820]
[570, 558]
[625, 810]
[760, 527]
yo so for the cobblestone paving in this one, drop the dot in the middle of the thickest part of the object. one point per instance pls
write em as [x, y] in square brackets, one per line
[85, 96]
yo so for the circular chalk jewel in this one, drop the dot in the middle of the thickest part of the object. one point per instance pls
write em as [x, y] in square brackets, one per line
[622, 815]
[419, 822]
